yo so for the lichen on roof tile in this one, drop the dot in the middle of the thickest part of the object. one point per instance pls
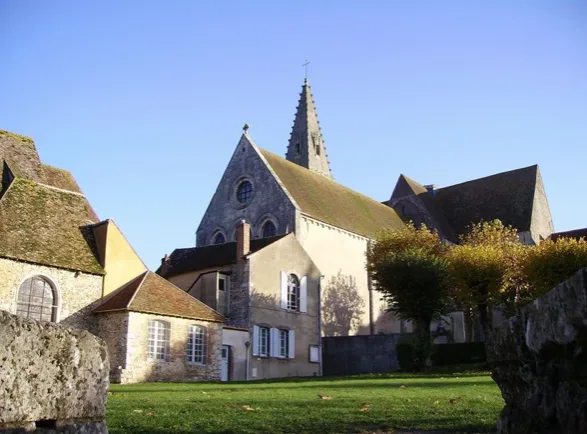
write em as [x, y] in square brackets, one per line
[45, 226]
[59, 178]
[331, 202]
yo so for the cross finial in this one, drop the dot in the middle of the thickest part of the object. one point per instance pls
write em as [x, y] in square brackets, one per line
[305, 65]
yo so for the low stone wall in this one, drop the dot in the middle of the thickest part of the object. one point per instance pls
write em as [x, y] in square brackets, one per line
[52, 378]
[363, 354]
[539, 360]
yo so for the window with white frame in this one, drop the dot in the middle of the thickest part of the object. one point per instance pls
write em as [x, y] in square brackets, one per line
[293, 293]
[283, 343]
[264, 342]
[197, 345]
[158, 340]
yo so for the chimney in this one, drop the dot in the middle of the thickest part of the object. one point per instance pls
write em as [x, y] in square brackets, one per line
[164, 265]
[243, 240]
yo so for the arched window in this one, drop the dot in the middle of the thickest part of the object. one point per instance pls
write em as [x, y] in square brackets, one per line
[293, 293]
[269, 229]
[197, 345]
[219, 238]
[37, 299]
[244, 191]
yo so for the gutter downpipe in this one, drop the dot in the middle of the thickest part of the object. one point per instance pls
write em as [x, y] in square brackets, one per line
[320, 372]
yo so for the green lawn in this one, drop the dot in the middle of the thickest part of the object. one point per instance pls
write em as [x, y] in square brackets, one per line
[465, 402]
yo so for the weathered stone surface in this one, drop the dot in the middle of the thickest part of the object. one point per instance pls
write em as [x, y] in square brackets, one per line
[539, 362]
[51, 373]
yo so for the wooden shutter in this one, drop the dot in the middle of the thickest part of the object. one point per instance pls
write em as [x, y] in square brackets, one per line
[255, 340]
[283, 290]
[292, 344]
[274, 345]
[304, 294]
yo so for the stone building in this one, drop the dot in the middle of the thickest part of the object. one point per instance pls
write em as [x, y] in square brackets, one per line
[334, 224]
[268, 290]
[60, 263]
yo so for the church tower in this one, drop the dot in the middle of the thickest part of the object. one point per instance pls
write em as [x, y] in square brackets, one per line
[306, 146]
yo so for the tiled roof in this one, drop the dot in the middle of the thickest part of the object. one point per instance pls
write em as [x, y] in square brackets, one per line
[406, 187]
[575, 233]
[20, 153]
[330, 202]
[150, 293]
[199, 258]
[507, 196]
[59, 178]
[46, 226]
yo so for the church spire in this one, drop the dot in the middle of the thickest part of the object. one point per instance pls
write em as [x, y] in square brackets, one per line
[306, 146]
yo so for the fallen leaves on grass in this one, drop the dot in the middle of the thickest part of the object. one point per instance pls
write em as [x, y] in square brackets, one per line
[402, 387]
[248, 408]
[454, 400]
[324, 397]
[365, 408]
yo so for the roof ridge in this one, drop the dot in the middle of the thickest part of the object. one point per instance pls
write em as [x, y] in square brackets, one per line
[145, 273]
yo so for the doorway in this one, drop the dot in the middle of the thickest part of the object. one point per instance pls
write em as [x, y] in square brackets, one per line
[224, 363]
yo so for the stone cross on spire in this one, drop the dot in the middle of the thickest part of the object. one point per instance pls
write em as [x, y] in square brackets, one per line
[306, 145]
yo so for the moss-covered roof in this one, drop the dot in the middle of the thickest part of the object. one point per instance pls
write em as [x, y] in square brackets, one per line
[59, 178]
[46, 226]
[20, 155]
[150, 293]
[330, 202]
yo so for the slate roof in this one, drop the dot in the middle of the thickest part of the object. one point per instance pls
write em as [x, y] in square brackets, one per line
[406, 187]
[46, 226]
[330, 202]
[507, 196]
[575, 233]
[199, 258]
[150, 293]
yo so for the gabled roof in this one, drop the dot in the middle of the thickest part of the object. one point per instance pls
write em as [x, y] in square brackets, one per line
[200, 258]
[150, 293]
[507, 196]
[46, 226]
[406, 187]
[330, 202]
[575, 233]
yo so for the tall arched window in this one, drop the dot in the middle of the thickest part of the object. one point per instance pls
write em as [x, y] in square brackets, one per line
[219, 238]
[37, 299]
[293, 292]
[269, 229]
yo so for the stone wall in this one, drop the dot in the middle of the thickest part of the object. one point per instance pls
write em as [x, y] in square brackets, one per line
[351, 355]
[539, 360]
[129, 350]
[269, 201]
[77, 294]
[52, 375]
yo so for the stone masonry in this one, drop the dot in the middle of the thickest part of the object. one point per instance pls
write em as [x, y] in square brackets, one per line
[539, 360]
[54, 378]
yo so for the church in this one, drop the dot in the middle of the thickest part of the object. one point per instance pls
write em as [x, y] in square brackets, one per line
[334, 224]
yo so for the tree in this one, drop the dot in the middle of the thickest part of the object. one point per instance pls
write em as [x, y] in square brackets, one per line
[342, 304]
[408, 268]
[482, 268]
[549, 263]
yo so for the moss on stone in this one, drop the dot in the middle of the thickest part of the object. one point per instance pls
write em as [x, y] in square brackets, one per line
[19, 137]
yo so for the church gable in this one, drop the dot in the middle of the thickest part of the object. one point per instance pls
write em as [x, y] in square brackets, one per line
[247, 190]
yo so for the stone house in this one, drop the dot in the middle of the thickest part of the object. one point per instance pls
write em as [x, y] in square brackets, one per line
[268, 289]
[60, 263]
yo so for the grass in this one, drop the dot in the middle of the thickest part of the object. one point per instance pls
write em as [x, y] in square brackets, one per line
[464, 402]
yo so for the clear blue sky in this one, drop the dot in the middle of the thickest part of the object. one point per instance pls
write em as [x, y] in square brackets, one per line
[144, 101]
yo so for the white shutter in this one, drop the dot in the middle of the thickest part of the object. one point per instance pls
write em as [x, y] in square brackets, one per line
[255, 340]
[283, 290]
[304, 294]
[274, 345]
[292, 344]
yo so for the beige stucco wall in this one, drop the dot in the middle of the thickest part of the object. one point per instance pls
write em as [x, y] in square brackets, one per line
[186, 280]
[137, 368]
[542, 225]
[265, 266]
[77, 296]
[334, 250]
[237, 339]
[121, 262]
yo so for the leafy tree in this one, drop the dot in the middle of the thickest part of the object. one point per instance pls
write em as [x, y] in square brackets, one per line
[408, 268]
[482, 267]
[549, 263]
[342, 304]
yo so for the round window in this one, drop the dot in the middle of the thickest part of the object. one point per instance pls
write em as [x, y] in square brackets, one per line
[244, 192]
